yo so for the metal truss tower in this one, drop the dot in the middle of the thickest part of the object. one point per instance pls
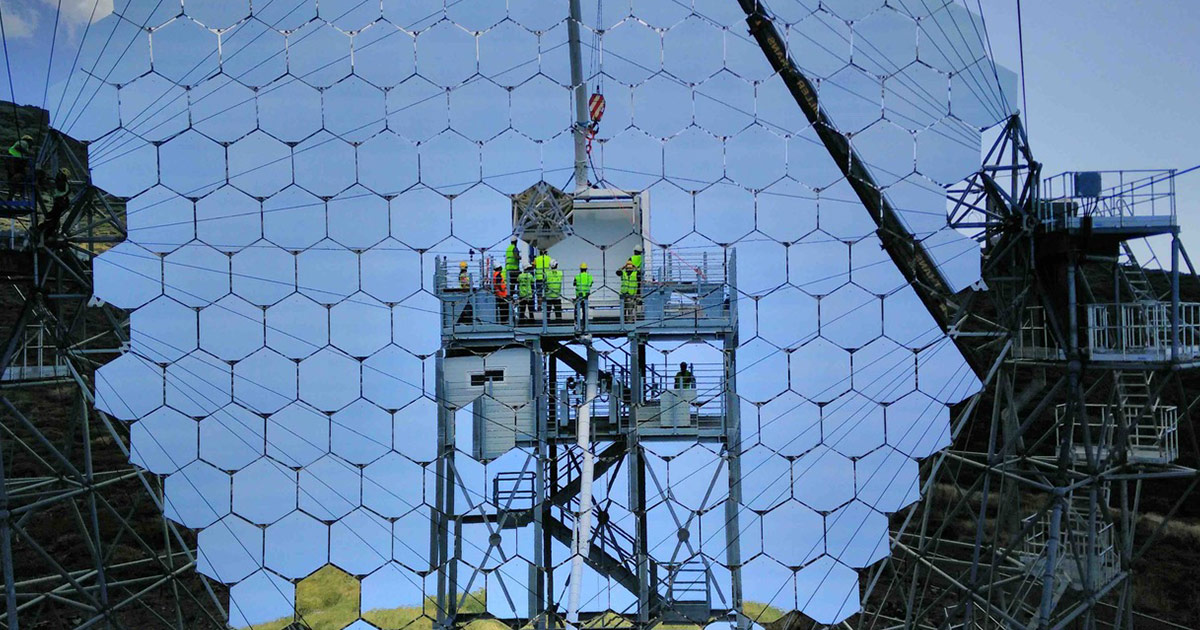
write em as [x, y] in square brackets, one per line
[540, 412]
[83, 543]
[1030, 520]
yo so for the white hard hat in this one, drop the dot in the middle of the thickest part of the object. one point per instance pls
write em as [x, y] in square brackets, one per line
[554, 264]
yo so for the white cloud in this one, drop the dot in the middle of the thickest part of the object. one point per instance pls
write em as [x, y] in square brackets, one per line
[19, 22]
[81, 11]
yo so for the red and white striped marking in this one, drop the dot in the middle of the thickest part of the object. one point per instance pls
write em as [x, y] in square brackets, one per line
[596, 105]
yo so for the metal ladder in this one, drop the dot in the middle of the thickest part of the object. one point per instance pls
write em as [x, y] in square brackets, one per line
[1135, 278]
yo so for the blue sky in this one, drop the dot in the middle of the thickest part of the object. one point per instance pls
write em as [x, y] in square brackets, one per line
[1110, 86]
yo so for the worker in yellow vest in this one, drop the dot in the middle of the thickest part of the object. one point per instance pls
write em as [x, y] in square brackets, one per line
[637, 260]
[19, 156]
[554, 278]
[512, 262]
[525, 295]
[583, 290]
[629, 290]
[541, 265]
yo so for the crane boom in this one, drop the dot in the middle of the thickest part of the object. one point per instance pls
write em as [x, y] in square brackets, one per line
[909, 255]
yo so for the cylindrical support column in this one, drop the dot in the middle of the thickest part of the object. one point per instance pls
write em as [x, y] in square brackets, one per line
[733, 506]
[581, 544]
[444, 505]
[581, 96]
[1175, 308]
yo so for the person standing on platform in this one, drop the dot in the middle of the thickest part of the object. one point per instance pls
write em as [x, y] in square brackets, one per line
[464, 276]
[512, 262]
[629, 290]
[525, 295]
[554, 279]
[541, 267]
[500, 291]
[464, 285]
[62, 201]
[583, 289]
[637, 259]
[684, 378]
[19, 156]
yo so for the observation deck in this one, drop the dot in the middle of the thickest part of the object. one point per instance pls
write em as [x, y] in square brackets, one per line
[1135, 204]
[681, 297]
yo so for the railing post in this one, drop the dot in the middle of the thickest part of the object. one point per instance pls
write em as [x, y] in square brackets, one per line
[1175, 310]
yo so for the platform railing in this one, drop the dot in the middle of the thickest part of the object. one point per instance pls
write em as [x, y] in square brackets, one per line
[689, 293]
[1076, 543]
[1142, 331]
[1152, 434]
[1120, 194]
[1035, 340]
[665, 411]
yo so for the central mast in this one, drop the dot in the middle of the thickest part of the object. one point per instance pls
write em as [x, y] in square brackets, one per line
[581, 96]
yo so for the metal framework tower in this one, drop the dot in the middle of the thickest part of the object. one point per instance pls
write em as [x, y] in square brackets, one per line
[536, 409]
[1091, 352]
[1083, 354]
[83, 542]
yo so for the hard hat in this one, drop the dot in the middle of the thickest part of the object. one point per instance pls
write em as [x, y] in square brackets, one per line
[637, 249]
[497, 266]
[514, 240]
[583, 266]
[27, 138]
[554, 264]
[529, 267]
[462, 265]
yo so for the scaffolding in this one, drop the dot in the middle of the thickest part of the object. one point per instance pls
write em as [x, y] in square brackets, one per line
[524, 381]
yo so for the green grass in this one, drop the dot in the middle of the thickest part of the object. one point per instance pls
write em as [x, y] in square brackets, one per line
[329, 600]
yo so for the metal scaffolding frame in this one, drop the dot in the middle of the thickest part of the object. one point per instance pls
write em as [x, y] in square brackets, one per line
[132, 573]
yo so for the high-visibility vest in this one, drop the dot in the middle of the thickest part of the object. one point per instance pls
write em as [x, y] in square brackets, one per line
[684, 380]
[541, 265]
[499, 286]
[464, 279]
[525, 284]
[629, 281]
[553, 284]
[583, 285]
[636, 259]
[18, 149]
[512, 258]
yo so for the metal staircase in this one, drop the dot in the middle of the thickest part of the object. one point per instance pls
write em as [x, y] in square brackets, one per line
[1134, 277]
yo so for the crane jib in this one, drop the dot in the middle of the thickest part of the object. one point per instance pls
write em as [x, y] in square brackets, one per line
[913, 261]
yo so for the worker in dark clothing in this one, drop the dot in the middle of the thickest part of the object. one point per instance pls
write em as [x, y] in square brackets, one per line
[19, 156]
[525, 295]
[684, 379]
[500, 290]
[62, 201]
